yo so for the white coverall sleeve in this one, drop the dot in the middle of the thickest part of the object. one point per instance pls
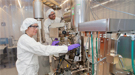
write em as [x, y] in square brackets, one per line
[57, 20]
[46, 27]
[37, 48]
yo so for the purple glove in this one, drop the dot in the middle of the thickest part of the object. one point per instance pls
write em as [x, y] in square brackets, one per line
[56, 39]
[55, 42]
[73, 46]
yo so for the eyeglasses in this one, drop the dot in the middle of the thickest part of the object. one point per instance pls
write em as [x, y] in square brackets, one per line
[52, 14]
[34, 26]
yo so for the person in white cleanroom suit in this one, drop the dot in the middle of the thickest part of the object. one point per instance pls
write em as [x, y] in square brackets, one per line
[28, 49]
[51, 18]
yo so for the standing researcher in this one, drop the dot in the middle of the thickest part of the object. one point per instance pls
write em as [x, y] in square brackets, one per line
[28, 49]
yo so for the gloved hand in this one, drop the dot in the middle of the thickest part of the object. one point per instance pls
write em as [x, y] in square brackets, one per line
[56, 39]
[55, 42]
[73, 46]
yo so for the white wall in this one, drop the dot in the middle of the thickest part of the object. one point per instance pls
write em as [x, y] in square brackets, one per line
[13, 16]
[121, 5]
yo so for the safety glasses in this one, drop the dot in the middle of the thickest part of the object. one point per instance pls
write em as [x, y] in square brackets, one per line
[52, 14]
[33, 26]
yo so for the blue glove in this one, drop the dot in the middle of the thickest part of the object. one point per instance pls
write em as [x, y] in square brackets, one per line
[73, 46]
[55, 42]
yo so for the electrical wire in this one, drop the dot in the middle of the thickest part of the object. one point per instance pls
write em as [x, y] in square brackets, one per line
[113, 9]
[92, 13]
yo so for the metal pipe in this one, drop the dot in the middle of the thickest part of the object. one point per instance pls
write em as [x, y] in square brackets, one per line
[100, 60]
[39, 32]
[79, 70]
[38, 9]
[81, 8]
[38, 14]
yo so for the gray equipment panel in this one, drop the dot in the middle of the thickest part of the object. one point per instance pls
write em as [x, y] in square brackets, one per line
[124, 47]
[108, 25]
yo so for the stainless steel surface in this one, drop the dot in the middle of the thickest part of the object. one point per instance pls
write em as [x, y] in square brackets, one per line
[42, 32]
[113, 47]
[54, 32]
[67, 16]
[113, 59]
[52, 4]
[81, 9]
[103, 66]
[108, 25]
[57, 25]
[44, 65]
[38, 9]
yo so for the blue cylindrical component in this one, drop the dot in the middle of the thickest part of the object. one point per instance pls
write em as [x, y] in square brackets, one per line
[132, 55]
[92, 55]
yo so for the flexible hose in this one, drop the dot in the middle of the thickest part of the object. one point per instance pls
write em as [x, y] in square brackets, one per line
[92, 55]
[125, 67]
[132, 55]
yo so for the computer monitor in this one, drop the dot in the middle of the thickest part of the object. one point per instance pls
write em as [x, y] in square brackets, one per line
[3, 41]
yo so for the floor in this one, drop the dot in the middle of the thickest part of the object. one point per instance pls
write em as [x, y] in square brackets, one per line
[12, 71]
[8, 71]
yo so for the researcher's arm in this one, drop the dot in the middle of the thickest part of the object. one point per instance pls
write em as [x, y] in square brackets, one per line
[34, 47]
